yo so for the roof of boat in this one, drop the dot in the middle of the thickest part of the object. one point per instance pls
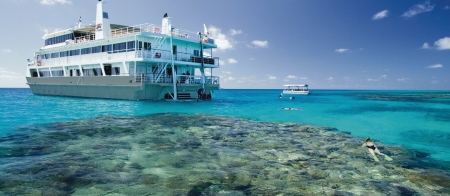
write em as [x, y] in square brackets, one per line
[85, 29]
[299, 85]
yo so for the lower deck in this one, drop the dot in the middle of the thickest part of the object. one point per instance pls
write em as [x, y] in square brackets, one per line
[116, 87]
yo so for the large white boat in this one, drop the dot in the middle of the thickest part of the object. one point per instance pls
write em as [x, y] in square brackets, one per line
[140, 62]
[296, 89]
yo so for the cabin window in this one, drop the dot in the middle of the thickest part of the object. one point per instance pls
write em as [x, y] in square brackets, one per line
[93, 72]
[64, 54]
[131, 45]
[115, 71]
[106, 48]
[58, 39]
[54, 55]
[144, 45]
[33, 73]
[74, 52]
[96, 49]
[105, 15]
[85, 51]
[119, 47]
[44, 73]
[196, 53]
[57, 73]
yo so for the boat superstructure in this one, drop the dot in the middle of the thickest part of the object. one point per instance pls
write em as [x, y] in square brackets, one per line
[140, 62]
[296, 89]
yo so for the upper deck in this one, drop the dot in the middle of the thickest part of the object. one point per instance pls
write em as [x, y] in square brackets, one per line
[144, 42]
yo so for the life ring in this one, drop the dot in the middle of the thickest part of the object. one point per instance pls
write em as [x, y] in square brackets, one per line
[156, 30]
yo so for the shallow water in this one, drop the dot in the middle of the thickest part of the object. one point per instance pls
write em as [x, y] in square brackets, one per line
[44, 136]
[203, 155]
[414, 119]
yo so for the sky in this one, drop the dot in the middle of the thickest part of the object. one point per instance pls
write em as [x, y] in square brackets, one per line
[263, 44]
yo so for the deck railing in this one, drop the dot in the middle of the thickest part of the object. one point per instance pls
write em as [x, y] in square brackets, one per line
[180, 79]
[124, 55]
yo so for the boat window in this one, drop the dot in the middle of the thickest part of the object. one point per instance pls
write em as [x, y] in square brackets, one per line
[54, 55]
[93, 72]
[106, 48]
[147, 46]
[196, 53]
[57, 73]
[58, 39]
[64, 54]
[144, 45]
[33, 73]
[116, 71]
[105, 15]
[44, 73]
[96, 49]
[85, 51]
[131, 45]
[74, 52]
[119, 47]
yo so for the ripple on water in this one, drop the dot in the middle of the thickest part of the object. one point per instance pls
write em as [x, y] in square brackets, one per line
[175, 154]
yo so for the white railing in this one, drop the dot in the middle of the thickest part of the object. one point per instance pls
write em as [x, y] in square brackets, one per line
[180, 79]
[111, 56]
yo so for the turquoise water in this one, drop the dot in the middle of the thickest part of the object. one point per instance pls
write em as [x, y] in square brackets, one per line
[240, 143]
[417, 120]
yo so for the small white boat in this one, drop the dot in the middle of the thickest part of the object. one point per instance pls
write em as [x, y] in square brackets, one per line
[296, 89]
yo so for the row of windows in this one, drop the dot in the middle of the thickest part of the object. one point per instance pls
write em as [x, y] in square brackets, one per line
[59, 39]
[76, 72]
[115, 48]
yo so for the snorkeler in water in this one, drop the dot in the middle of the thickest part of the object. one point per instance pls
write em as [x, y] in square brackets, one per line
[373, 149]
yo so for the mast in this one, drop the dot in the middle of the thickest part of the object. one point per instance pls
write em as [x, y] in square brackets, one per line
[202, 70]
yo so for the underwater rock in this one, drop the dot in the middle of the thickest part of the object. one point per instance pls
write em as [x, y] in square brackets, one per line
[206, 155]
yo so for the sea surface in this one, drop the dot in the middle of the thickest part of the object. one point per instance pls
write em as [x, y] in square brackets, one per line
[411, 126]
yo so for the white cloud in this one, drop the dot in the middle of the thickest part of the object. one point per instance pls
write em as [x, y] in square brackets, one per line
[252, 59]
[226, 72]
[50, 30]
[272, 77]
[291, 77]
[380, 15]
[52, 2]
[7, 50]
[435, 66]
[9, 75]
[384, 76]
[447, 7]
[443, 44]
[221, 62]
[346, 78]
[372, 80]
[418, 9]
[403, 79]
[425, 45]
[222, 41]
[230, 78]
[235, 32]
[341, 50]
[260, 44]
[232, 61]
[330, 78]
[304, 78]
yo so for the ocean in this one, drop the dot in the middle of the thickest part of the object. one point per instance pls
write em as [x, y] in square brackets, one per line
[42, 133]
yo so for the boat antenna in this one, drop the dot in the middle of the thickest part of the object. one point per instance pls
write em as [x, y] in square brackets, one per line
[79, 23]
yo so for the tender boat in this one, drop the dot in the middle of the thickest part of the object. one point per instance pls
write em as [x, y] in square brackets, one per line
[296, 89]
[139, 62]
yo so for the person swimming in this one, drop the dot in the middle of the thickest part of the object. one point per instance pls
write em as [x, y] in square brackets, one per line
[373, 149]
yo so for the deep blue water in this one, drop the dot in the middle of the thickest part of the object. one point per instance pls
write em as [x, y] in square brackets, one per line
[418, 120]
